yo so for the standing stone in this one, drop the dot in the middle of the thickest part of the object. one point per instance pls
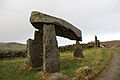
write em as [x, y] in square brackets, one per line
[96, 41]
[78, 50]
[51, 56]
[36, 50]
[29, 43]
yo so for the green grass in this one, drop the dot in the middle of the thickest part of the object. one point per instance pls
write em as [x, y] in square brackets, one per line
[117, 49]
[69, 65]
[9, 68]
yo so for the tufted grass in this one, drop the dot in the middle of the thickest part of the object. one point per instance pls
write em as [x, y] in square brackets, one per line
[9, 68]
[100, 55]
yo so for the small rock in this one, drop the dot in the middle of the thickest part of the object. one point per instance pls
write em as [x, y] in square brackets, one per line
[56, 76]
[84, 71]
[87, 71]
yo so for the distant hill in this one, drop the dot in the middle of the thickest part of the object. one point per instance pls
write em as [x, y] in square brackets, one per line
[114, 43]
[19, 46]
[12, 46]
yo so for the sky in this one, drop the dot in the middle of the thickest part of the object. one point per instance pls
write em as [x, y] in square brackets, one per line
[92, 17]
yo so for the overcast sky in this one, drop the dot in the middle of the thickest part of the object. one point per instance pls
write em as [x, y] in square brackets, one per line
[92, 17]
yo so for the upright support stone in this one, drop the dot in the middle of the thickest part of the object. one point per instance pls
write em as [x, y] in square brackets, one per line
[29, 43]
[35, 48]
[78, 50]
[51, 58]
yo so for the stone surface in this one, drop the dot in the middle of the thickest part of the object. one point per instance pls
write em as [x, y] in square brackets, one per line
[35, 50]
[51, 59]
[56, 76]
[78, 50]
[62, 27]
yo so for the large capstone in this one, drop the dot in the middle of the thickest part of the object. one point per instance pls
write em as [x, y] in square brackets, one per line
[62, 27]
[50, 50]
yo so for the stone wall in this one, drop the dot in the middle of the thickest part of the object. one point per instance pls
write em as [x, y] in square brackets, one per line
[70, 47]
[11, 54]
[23, 53]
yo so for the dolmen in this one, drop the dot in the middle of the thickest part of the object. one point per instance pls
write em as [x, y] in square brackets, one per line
[43, 50]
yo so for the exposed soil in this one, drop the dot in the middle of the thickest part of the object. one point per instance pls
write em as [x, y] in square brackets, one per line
[112, 72]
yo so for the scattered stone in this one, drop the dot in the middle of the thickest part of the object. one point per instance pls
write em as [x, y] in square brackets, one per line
[84, 72]
[56, 76]
[87, 71]
[75, 78]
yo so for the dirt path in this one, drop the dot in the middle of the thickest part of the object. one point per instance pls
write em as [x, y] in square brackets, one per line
[112, 72]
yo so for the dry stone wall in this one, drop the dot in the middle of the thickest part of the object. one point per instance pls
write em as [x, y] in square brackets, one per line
[11, 54]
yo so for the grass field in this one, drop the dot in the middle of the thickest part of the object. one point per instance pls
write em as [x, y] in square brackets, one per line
[10, 68]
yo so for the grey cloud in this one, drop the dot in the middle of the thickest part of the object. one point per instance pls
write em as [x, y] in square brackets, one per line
[99, 17]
